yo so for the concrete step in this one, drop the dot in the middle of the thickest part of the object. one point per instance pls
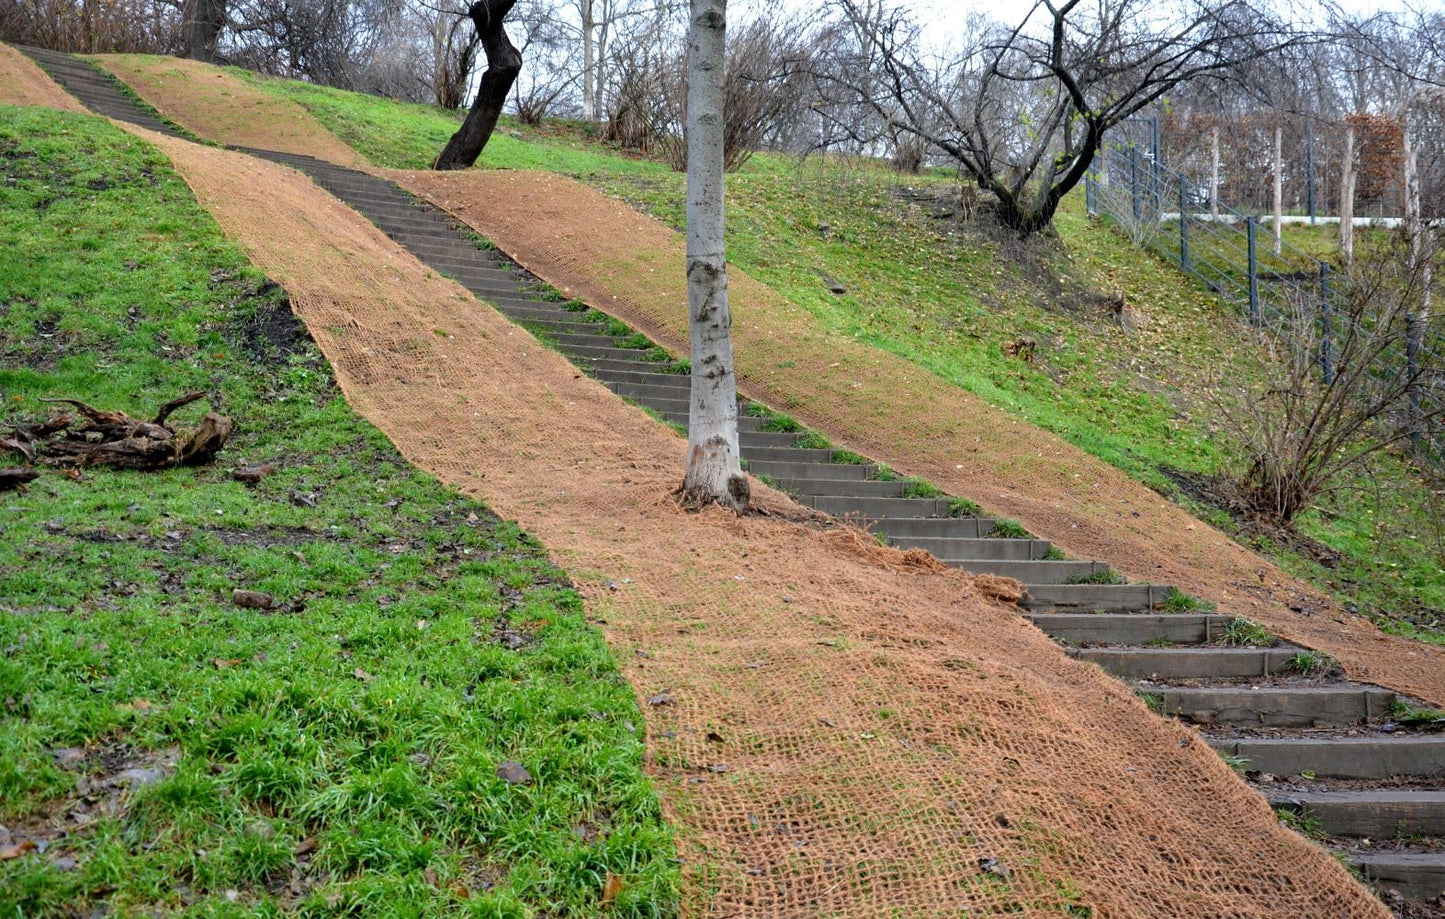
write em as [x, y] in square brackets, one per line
[783, 454]
[651, 377]
[1380, 813]
[853, 488]
[795, 471]
[546, 312]
[963, 548]
[1372, 756]
[607, 364]
[1339, 705]
[1188, 663]
[1104, 597]
[1029, 572]
[1414, 875]
[558, 327]
[678, 407]
[595, 340]
[680, 390]
[606, 354]
[1129, 628]
[864, 509]
[767, 439]
[504, 303]
[933, 527]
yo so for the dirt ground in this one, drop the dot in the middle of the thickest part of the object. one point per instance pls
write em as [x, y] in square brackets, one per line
[864, 399]
[22, 82]
[835, 728]
[221, 107]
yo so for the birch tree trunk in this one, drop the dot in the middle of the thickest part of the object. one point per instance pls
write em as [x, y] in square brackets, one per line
[589, 63]
[1278, 189]
[1214, 176]
[714, 475]
[1347, 198]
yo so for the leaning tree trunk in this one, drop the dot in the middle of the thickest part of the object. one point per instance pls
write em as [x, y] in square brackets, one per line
[504, 62]
[714, 475]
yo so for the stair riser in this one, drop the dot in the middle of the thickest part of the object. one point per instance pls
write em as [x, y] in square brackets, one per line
[1342, 758]
[1138, 629]
[1384, 819]
[1019, 550]
[1187, 663]
[1281, 708]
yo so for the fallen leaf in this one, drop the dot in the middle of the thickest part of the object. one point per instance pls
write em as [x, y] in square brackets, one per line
[662, 698]
[611, 888]
[253, 599]
[253, 474]
[305, 846]
[221, 663]
[17, 850]
[361, 675]
[514, 773]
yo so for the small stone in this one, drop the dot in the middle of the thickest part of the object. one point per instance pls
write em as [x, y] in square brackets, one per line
[514, 773]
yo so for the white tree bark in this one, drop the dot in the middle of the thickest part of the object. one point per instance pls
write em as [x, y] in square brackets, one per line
[714, 475]
[1278, 189]
[1347, 197]
[1214, 176]
[1417, 231]
[589, 62]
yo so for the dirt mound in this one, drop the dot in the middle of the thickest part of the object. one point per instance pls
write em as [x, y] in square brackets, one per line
[22, 82]
[835, 732]
[219, 106]
[873, 402]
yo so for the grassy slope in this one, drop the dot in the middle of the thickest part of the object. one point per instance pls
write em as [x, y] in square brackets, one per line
[1135, 394]
[339, 755]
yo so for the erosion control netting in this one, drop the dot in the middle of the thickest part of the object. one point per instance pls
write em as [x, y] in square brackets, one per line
[836, 728]
[875, 403]
[23, 83]
[220, 106]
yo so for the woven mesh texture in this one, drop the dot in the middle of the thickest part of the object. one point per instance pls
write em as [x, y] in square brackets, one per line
[24, 83]
[846, 730]
[219, 106]
[875, 403]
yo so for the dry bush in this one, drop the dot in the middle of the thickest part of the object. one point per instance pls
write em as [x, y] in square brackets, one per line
[1300, 432]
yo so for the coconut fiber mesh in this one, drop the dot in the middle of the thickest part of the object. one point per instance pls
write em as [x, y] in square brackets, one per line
[219, 106]
[23, 83]
[878, 404]
[835, 728]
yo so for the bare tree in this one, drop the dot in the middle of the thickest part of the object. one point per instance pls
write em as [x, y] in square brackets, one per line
[714, 473]
[1024, 108]
[504, 62]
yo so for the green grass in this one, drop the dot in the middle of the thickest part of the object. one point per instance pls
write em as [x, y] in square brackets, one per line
[950, 298]
[963, 507]
[352, 737]
[1244, 633]
[1009, 529]
[1103, 576]
[1177, 601]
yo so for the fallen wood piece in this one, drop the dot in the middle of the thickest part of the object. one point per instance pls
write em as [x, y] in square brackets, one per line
[118, 440]
[11, 479]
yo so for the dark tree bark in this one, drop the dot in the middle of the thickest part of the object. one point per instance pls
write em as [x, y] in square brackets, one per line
[204, 20]
[504, 62]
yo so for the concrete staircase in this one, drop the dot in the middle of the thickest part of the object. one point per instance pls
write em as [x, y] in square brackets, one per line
[1332, 755]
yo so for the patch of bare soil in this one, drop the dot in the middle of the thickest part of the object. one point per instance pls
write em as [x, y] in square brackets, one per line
[106, 777]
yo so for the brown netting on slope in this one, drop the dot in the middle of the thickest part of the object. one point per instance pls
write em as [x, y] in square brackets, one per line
[219, 106]
[836, 728]
[876, 403]
[22, 82]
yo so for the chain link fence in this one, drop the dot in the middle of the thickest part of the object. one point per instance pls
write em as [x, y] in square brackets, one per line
[1270, 284]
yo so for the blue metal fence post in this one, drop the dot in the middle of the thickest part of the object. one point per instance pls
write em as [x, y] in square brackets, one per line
[1249, 228]
[1184, 223]
[1327, 358]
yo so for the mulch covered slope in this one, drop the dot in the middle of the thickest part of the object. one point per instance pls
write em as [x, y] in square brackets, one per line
[629, 265]
[836, 728]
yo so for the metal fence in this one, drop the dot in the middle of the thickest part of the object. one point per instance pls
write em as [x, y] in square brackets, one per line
[1269, 283]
